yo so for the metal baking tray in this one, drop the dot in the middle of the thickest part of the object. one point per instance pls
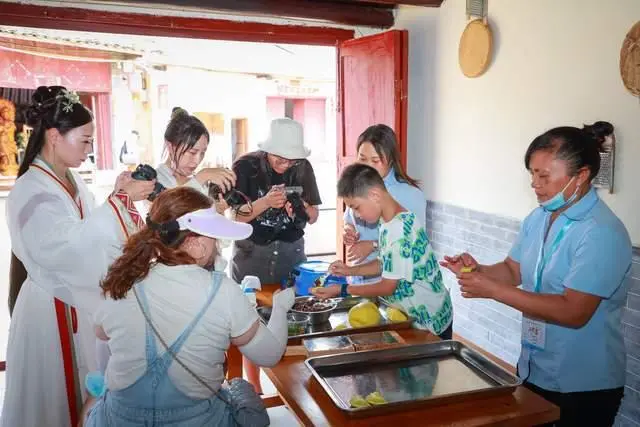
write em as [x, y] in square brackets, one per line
[339, 316]
[410, 377]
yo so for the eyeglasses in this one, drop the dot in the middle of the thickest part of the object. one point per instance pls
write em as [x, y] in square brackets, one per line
[284, 162]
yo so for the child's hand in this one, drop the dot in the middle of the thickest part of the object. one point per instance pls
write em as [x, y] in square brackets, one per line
[339, 268]
[330, 291]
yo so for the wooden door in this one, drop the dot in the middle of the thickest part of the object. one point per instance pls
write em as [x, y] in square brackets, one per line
[372, 88]
[239, 137]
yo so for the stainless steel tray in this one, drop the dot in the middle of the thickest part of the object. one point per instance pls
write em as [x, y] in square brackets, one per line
[410, 376]
[339, 316]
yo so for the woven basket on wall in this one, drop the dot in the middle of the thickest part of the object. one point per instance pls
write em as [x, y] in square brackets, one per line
[630, 60]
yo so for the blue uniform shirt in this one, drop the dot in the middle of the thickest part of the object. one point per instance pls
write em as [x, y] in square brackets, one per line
[409, 197]
[593, 257]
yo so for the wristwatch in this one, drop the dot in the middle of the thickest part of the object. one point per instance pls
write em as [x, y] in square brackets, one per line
[343, 290]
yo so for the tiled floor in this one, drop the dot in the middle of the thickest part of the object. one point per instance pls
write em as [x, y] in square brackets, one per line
[280, 416]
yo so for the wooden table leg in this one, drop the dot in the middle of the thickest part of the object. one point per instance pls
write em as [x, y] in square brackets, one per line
[272, 401]
[234, 360]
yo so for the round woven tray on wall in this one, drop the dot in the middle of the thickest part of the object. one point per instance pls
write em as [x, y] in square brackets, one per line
[474, 52]
[630, 60]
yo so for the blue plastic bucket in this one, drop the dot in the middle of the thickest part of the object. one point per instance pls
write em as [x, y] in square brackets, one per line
[307, 272]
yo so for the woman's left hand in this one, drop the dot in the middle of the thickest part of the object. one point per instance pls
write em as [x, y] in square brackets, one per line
[357, 252]
[330, 291]
[478, 285]
[222, 177]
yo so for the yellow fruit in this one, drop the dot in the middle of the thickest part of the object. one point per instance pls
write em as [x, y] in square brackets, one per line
[375, 398]
[466, 269]
[364, 314]
[395, 315]
[340, 327]
[358, 401]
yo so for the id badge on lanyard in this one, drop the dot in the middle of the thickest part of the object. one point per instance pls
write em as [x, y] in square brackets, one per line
[534, 331]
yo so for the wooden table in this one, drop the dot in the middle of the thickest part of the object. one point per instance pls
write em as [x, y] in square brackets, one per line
[310, 404]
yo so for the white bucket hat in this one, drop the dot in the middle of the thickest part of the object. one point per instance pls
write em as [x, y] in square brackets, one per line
[286, 139]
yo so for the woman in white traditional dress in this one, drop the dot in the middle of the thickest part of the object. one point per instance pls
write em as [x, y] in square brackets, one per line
[66, 245]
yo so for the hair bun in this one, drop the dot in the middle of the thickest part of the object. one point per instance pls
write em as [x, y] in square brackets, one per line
[599, 131]
[179, 112]
[43, 99]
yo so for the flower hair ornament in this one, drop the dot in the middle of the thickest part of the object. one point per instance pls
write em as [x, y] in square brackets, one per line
[70, 98]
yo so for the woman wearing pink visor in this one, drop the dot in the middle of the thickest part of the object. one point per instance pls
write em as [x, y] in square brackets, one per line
[169, 318]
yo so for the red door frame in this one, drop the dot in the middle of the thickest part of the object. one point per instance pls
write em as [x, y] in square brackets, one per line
[399, 125]
[77, 19]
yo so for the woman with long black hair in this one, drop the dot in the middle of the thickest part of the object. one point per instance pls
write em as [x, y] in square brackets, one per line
[378, 148]
[64, 244]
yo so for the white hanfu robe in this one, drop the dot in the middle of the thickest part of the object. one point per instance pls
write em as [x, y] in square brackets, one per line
[66, 245]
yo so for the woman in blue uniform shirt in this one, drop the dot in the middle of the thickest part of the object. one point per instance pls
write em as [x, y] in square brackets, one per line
[573, 290]
[378, 148]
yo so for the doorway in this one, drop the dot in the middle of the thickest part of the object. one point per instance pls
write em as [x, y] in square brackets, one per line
[378, 61]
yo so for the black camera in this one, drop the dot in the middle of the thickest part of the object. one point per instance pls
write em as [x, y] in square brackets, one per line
[294, 196]
[148, 173]
[234, 198]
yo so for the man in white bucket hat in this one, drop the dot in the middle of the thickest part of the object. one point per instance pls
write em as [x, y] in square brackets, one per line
[282, 187]
[286, 140]
[271, 177]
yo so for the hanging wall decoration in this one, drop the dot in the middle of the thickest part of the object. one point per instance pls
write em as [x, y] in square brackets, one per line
[630, 60]
[476, 42]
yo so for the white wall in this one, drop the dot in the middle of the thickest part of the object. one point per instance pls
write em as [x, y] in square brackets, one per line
[556, 63]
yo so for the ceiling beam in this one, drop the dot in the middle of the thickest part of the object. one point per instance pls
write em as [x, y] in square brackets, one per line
[350, 13]
[427, 3]
[62, 49]
[78, 19]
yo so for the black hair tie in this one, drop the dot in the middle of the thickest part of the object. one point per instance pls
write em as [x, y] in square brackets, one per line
[168, 231]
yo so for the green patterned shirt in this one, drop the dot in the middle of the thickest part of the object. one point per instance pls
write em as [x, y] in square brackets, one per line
[406, 256]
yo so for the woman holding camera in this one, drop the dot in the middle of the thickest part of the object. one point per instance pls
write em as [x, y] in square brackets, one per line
[186, 142]
[65, 244]
[279, 211]
[282, 187]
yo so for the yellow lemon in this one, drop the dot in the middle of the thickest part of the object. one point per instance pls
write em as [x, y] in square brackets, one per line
[375, 398]
[466, 270]
[358, 401]
[395, 315]
[364, 314]
[340, 327]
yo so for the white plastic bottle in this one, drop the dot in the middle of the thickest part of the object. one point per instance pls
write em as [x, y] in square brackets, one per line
[251, 285]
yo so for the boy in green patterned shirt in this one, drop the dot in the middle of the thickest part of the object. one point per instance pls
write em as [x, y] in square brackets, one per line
[411, 277]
